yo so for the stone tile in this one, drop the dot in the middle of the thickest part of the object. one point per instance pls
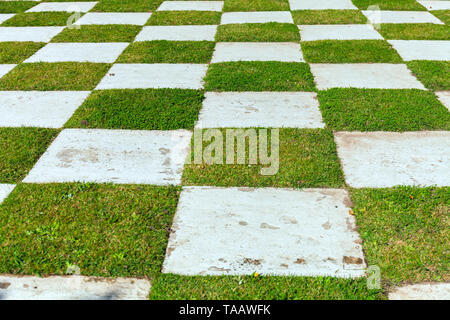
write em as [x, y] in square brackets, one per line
[34, 34]
[143, 76]
[436, 5]
[260, 109]
[5, 68]
[422, 49]
[191, 6]
[72, 288]
[401, 17]
[63, 6]
[117, 156]
[79, 52]
[5, 190]
[6, 16]
[421, 291]
[444, 97]
[321, 4]
[46, 109]
[178, 33]
[257, 51]
[271, 231]
[257, 17]
[387, 159]
[338, 32]
[102, 18]
[364, 75]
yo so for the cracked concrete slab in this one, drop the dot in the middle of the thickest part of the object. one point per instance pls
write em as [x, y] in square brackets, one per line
[5, 190]
[321, 4]
[421, 291]
[338, 32]
[104, 18]
[376, 16]
[422, 49]
[33, 34]
[177, 33]
[63, 6]
[191, 6]
[256, 17]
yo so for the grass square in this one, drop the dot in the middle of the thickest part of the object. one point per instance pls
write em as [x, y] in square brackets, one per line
[433, 74]
[328, 17]
[16, 52]
[443, 15]
[259, 76]
[263, 32]
[173, 18]
[382, 110]
[349, 51]
[54, 76]
[16, 6]
[405, 232]
[151, 109]
[106, 230]
[407, 5]
[20, 149]
[127, 5]
[162, 51]
[307, 159]
[35, 19]
[256, 5]
[415, 31]
[99, 33]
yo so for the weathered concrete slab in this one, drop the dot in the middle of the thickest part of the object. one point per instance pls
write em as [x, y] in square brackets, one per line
[5, 190]
[364, 75]
[338, 32]
[6, 16]
[321, 4]
[191, 6]
[102, 18]
[257, 17]
[260, 109]
[444, 97]
[34, 34]
[422, 49]
[270, 231]
[46, 109]
[436, 5]
[387, 159]
[5, 68]
[143, 76]
[79, 52]
[401, 17]
[257, 51]
[117, 156]
[178, 33]
[72, 288]
[422, 291]
[63, 6]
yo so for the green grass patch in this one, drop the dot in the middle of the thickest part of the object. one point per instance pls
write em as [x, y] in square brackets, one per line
[259, 76]
[415, 31]
[99, 33]
[35, 19]
[16, 6]
[443, 15]
[307, 158]
[152, 109]
[172, 18]
[433, 74]
[256, 5]
[405, 232]
[16, 52]
[411, 5]
[264, 32]
[382, 110]
[21, 148]
[106, 230]
[349, 51]
[127, 5]
[328, 17]
[162, 51]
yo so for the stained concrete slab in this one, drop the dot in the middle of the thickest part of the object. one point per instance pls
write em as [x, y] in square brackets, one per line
[321, 4]
[6, 16]
[63, 6]
[401, 17]
[422, 49]
[387, 159]
[5, 190]
[103, 18]
[436, 5]
[421, 291]
[257, 51]
[79, 52]
[73, 287]
[444, 97]
[117, 156]
[191, 6]
[33, 34]
[45, 109]
[260, 109]
[256, 17]
[364, 75]
[5, 68]
[144, 76]
[270, 231]
[338, 32]
[178, 33]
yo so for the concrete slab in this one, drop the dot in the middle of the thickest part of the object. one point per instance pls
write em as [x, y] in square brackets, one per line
[72, 288]
[256, 17]
[444, 97]
[164, 75]
[6, 16]
[436, 5]
[387, 159]
[63, 6]
[178, 33]
[421, 291]
[401, 17]
[45, 109]
[260, 109]
[5, 190]
[102, 18]
[422, 49]
[79, 52]
[34, 34]
[364, 75]
[5, 68]
[191, 6]
[257, 51]
[338, 32]
[321, 4]
[117, 156]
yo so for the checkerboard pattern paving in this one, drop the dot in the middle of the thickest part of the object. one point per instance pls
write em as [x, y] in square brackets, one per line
[99, 100]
